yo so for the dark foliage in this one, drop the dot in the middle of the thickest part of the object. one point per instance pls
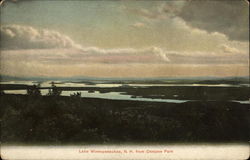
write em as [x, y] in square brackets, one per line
[57, 119]
[54, 91]
[1, 92]
[77, 94]
[34, 90]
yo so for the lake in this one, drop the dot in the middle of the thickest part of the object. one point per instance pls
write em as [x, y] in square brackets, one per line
[120, 95]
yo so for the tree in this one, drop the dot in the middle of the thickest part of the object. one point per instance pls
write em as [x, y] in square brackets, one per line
[34, 90]
[77, 94]
[54, 91]
[1, 92]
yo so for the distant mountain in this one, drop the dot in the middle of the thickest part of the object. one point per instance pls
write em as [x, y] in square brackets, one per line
[83, 78]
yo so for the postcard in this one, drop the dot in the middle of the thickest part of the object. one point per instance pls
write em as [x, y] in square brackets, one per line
[125, 79]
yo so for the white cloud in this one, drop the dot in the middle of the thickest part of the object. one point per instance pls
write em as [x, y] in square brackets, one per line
[93, 55]
[30, 44]
[230, 50]
[45, 47]
[27, 37]
[230, 19]
[87, 55]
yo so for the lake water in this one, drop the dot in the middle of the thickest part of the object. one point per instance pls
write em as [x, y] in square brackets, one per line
[114, 95]
[97, 94]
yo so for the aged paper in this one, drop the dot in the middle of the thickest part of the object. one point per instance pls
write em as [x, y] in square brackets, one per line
[124, 79]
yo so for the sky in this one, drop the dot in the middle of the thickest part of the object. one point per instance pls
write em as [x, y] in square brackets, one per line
[124, 38]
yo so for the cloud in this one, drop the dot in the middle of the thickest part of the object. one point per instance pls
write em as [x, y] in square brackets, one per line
[171, 8]
[27, 37]
[138, 25]
[93, 55]
[207, 59]
[52, 53]
[163, 10]
[121, 55]
[67, 58]
[228, 17]
[30, 44]
[230, 50]
[87, 55]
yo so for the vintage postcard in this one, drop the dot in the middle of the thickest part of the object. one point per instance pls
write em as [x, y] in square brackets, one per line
[124, 79]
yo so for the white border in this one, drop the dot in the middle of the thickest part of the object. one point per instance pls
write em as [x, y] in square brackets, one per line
[152, 152]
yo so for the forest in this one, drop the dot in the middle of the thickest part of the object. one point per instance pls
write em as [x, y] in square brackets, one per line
[56, 119]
